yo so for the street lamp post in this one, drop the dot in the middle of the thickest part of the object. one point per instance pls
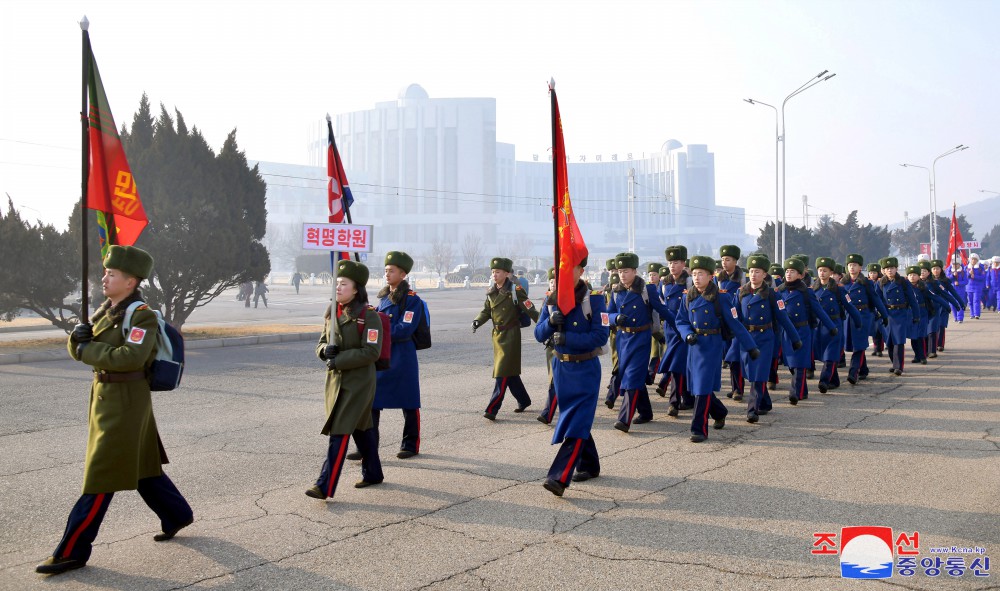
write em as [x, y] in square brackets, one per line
[933, 194]
[781, 136]
[777, 140]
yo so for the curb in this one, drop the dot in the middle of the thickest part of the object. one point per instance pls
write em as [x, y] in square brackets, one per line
[61, 355]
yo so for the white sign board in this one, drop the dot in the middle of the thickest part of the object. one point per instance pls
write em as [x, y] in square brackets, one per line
[969, 244]
[338, 237]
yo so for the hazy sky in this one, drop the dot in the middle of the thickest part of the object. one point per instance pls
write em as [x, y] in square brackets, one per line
[913, 80]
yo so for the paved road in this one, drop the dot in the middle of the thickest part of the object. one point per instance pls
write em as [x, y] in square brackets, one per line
[918, 454]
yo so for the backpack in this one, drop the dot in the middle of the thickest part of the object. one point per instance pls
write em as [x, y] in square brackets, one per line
[168, 365]
[422, 335]
[522, 317]
[588, 312]
[385, 356]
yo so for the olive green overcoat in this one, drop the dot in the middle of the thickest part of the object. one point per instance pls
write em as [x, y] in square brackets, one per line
[501, 309]
[350, 387]
[123, 445]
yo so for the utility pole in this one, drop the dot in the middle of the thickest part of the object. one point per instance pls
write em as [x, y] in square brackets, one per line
[805, 211]
[631, 210]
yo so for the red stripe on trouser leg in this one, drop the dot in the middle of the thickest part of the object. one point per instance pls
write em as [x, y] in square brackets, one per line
[572, 460]
[418, 432]
[503, 388]
[552, 407]
[704, 423]
[335, 469]
[802, 388]
[631, 408]
[98, 501]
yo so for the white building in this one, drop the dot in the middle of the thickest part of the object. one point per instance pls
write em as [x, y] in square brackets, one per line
[424, 169]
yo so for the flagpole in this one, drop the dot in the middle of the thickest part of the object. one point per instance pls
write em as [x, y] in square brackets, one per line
[555, 177]
[343, 201]
[85, 144]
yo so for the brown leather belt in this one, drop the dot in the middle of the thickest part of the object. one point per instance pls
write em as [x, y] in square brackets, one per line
[834, 316]
[117, 378]
[898, 306]
[801, 324]
[578, 358]
[508, 326]
[642, 328]
[706, 331]
[759, 327]
[861, 307]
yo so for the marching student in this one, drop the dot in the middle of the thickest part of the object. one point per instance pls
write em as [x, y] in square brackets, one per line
[699, 320]
[673, 366]
[730, 279]
[902, 306]
[551, 403]
[829, 343]
[937, 272]
[976, 271]
[860, 293]
[934, 322]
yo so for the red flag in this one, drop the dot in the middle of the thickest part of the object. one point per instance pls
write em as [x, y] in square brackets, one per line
[338, 191]
[570, 247]
[110, 185]
[955, 241]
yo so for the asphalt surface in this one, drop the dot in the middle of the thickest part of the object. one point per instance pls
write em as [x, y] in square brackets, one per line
[919, 453]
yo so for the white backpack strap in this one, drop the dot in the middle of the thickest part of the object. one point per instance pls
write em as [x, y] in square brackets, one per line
[653, 313]
[127, 323]
[585, 307]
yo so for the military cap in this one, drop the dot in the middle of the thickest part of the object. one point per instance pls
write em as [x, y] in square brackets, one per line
[354, 271]
[552, 272]
[129, 259]
[687, 263]
[913, 269]
[889, 262]
[730, 250]
[583, 263]
[502, 264]
[974, 255]
[718, 264]
[827, 262]
[802, 257]
[874, 268]
[775, 269]
[855, 258]
[840, 270]
[399, 259]
[923, 257]
[664, 271]
[610, 265]
[626, 260]
[937, 263]
[924, 265]
[615, 280]
[758, 261]
[703, 262]
[796, 263]
[676, 253]
[653, 267]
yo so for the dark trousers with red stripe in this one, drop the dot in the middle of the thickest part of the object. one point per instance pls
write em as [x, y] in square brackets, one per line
[574, 454]
[549, 412]
[761, 398]
[614, 389]
[896, 354]
[736, 376]
[516, 387]
[680, 396]
[635, 400]
[919, 347]
[654, 364]
[859, 365]
[940, 342]
[932, 342]
[85, 519]
[333, 465]
[411, 429]
[705, 407]
[878, 342]
[775, 363]
[798, 388]
[829, 374]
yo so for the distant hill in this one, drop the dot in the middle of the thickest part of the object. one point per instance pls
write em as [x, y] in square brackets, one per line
[983, 215]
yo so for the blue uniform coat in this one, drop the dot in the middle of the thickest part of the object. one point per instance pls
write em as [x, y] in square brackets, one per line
[399, 386]
[577, 382]
[758, 308]
[731, 284]
[902, 304]
[634, 347]
[831, 299]
[675, 355]
[861, 295]
[705, 356]
[803, 309]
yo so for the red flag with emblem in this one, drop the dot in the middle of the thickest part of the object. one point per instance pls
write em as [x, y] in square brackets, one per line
[955, 240]
[570, 249]
[111, 188]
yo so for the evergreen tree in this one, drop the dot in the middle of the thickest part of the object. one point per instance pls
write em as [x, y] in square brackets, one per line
[907, 240]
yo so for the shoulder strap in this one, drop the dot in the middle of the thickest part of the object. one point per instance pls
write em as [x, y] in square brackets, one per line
[127, 323]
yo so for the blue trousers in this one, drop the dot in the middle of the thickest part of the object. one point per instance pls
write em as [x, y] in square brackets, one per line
[551, 404]
[516, 389]
[736, 376]
[797, 388]
[411, 428]
[705, 407]
[85, 519]
[680, 395]
[371, 466]
[574, 454]
[896, 355]
[635, 399]
[975, 302]
[829, 374]
[859, 365]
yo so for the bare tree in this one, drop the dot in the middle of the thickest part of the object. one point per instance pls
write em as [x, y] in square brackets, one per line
[283, 243]
[441, 256]
[472, 250]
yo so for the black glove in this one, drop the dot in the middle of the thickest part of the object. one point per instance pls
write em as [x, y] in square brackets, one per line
[659, 337]
[857, 326]
[548, 343]
[796, 345]
[754, 353]
[329, 352]
[691, 339]
[83, 333]
[621, 319]
[331, 362]
[885, 321]
[834, 331]
[559, 338]
[556, 317]
[475, 325]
